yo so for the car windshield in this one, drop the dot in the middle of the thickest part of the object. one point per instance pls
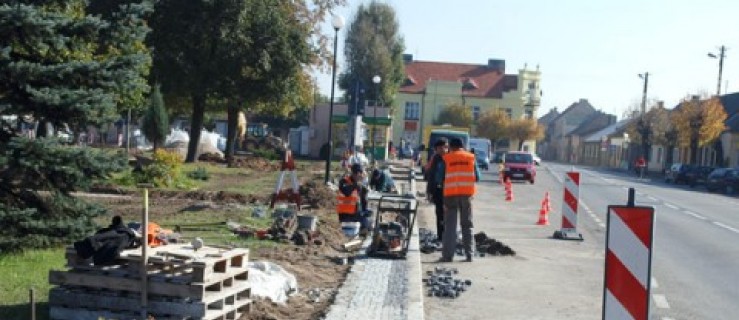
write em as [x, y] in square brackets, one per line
[518, 158]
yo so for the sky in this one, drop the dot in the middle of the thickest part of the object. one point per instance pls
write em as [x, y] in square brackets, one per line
[586, 49]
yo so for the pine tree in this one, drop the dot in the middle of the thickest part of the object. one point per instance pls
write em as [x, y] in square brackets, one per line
[61, 66]
[156, 121]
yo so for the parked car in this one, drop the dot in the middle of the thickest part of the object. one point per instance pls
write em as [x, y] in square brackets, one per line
[696, 176]
[676, 173]
[519, 165]
[482, 159]
[722, 179]
[537, 160]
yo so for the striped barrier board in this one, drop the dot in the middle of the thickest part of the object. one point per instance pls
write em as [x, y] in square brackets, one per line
[628, 265]
[569, 208]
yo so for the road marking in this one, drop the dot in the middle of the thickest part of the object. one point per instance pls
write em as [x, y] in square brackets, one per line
[652, 198]
[654, 283]
[695, 215]
[602, 225]
[667, 318]
[726, 226]
[584, 206]
[670, 206]
[660, 301]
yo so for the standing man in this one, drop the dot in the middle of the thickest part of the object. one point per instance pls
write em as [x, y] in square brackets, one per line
[460, 174]
[435, 184]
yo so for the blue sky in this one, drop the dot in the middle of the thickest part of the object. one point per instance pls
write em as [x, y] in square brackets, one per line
[586, 49]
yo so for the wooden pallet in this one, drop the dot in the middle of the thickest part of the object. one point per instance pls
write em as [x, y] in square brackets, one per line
[210, 283]
[209, 308]
[176, 260]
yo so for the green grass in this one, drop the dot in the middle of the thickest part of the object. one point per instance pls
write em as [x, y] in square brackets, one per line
[21, 272]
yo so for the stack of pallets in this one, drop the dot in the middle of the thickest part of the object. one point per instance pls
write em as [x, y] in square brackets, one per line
[210, 283]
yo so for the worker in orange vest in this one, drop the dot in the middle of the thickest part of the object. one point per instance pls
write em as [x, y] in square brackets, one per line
[352, 199]
[460, 174]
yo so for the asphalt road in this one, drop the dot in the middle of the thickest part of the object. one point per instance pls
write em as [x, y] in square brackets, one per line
[695, 267]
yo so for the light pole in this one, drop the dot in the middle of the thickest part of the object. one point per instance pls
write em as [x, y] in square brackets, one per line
[376, 80]
[720, 57]
[337, 22]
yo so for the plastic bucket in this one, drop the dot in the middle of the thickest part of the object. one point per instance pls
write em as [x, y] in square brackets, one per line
[307, 222]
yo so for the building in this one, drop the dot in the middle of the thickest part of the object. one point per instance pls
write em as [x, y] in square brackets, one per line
[430, 86]
[594, 123]
[559, 146]
[318, 132]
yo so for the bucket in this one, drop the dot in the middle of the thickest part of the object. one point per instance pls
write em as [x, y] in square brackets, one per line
[350, 229]
[307, 222]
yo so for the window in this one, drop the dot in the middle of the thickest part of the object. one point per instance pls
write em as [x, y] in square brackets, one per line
[475, 113]
[509, 112]
[412, 110]
[529, 113]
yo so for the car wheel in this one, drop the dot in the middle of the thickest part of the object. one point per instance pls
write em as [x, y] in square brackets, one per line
[531, 181]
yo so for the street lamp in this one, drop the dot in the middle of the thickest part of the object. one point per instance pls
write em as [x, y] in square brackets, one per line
[337, 22]
[376, 80]
[720, 57]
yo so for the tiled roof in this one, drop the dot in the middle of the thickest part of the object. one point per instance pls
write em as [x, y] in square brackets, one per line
[733, 123]
[482, 81]
[593, 123]
[730, 103]
[549, 117]
[607, 131]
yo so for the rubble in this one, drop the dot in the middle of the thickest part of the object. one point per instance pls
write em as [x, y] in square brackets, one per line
[443, 284]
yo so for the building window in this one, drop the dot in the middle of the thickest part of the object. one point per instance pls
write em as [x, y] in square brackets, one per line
[412, 110]
[475, 113]
[529, 113]
[509, 112]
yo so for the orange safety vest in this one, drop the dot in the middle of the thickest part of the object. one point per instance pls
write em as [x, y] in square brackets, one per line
[347, 204]
[459, 174]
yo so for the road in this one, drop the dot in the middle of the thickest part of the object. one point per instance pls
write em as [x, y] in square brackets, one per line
[695, 267]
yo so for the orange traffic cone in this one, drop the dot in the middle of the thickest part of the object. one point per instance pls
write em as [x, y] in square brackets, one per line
[508, 193]
[549, 204]
[543, 214]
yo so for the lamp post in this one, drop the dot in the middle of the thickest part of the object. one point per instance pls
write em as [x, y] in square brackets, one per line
[337, 22]
[720, 57]
[376, 80]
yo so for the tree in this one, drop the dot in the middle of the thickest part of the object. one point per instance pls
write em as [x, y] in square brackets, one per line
[456, 115]
[249, 53]
[58, 65]
[699, 123]
[156, 121]
[493, 125]
[525, 129]
[373, 46]
[649, 128]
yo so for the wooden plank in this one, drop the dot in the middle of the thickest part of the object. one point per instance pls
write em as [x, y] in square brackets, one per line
[195, 291]
[63, 313]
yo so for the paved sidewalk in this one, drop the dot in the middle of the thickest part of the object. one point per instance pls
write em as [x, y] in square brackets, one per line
[382, 288]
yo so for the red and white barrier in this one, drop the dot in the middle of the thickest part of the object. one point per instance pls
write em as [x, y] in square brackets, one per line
[569, 207]
[629, 239]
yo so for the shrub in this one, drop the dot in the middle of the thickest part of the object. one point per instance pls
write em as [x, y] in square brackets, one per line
[268, 154]
[199, 174]
[163, 172]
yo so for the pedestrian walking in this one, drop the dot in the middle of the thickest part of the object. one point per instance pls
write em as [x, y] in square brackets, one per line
[434, 184]
[460, 174]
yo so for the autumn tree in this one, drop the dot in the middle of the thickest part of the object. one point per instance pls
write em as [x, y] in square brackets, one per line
[699, 123]
[525, 129]
[373, 46]
[456, 115]
[493, 125]
[649, 128]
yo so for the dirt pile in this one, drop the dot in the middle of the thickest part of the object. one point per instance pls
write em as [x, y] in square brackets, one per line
[215, 196]
[318, 277]
[492, 246]
[317, 195]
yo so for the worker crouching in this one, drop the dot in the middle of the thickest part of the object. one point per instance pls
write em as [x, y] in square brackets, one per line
[352, 200]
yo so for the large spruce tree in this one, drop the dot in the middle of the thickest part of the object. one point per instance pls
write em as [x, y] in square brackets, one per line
[61, 66]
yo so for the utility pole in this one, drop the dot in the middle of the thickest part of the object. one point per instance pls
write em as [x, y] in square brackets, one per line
[720, 57]
[644, 76]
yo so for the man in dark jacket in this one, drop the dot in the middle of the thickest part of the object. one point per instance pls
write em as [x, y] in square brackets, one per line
[382, 181]
[435, 184]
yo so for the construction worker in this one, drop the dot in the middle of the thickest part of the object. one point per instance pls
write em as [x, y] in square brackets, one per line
[435, 184]
[352, 199]
[382, 181]
[460, 173]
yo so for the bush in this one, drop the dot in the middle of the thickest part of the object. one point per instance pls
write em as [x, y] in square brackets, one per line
[199, 174]
[163, 172]
[268, 154]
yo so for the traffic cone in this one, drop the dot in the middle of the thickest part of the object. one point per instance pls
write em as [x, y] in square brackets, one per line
[543, 214]
[509, 193]
[546, 199]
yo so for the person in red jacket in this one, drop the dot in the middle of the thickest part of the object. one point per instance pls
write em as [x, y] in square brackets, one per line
[641, 165]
